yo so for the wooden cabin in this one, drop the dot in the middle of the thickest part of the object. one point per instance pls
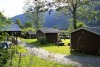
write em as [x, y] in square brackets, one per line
[14, 31]
[86, 40]
[30, 35]
[50, 34]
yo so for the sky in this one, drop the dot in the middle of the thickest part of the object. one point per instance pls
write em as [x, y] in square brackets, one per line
[12, 7]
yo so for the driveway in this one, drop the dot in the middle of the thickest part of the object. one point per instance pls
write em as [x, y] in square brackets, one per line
[77, 61]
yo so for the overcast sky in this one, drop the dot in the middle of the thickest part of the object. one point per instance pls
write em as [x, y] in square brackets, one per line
[11, 7]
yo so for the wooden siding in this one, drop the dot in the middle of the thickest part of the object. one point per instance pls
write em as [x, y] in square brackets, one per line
[85, 41]
[40, 35]
[30, 36]
[51, 37]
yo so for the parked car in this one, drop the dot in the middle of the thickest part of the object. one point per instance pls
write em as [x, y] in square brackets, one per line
[6, 44]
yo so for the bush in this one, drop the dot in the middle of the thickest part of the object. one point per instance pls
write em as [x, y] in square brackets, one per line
[42, 41]
[4, 56]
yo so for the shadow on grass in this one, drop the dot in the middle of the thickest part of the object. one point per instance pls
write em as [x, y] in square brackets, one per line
[85, 60]
[80, 53]
[37, 44]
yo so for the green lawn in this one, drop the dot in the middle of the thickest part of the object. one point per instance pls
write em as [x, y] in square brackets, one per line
[51, 46]
[33, 61]
[29, 60]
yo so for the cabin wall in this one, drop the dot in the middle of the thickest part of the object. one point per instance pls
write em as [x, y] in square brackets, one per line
[33, 36]
[16, 33]
[40, 35]
[30, 36]
[27, 36]
[85, 41]
[51, 37]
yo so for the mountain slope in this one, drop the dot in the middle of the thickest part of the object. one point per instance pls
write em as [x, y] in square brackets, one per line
[51, 20]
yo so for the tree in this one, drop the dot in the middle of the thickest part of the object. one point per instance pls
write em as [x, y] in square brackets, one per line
[28, 25]
[76, 9]
[35, 12]
[72, 6]
[2, 20]
[17, 21]
[80, 24]
[8, 21]
[4, 54]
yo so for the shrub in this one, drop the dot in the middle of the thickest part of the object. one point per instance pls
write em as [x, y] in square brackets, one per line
[4, 56]
[42, 41]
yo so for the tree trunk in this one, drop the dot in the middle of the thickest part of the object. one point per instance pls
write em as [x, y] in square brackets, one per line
[74, 18]
[37, 19]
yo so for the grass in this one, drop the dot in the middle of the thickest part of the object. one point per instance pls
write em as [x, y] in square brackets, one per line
[29, 60]
[51, 46]
[34, 62]
[57, 49]
[38, 62]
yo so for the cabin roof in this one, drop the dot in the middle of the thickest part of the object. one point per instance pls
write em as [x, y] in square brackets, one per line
[12, 27]
[95, 30]
[31, 32]
[50, 30]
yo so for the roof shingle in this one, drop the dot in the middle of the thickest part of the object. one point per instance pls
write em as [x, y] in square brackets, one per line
[31, 32]
[12, 27]
[50, 30]
[95, 30]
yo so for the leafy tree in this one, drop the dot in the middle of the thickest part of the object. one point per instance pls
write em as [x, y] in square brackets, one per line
[4, 55]
[28, 25]
[78, 10]
[17, 21]
[80, 24]
[27, 29]
[8, 21]
[34, 10]
[2, 51]
[4, 20]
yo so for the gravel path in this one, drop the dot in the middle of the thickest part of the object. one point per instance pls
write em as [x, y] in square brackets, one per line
[77, 61]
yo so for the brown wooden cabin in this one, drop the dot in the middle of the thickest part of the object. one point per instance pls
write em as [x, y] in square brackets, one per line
[22, 35]
[50, 34]
[86, 40]
[30, 35]
[14, 31]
